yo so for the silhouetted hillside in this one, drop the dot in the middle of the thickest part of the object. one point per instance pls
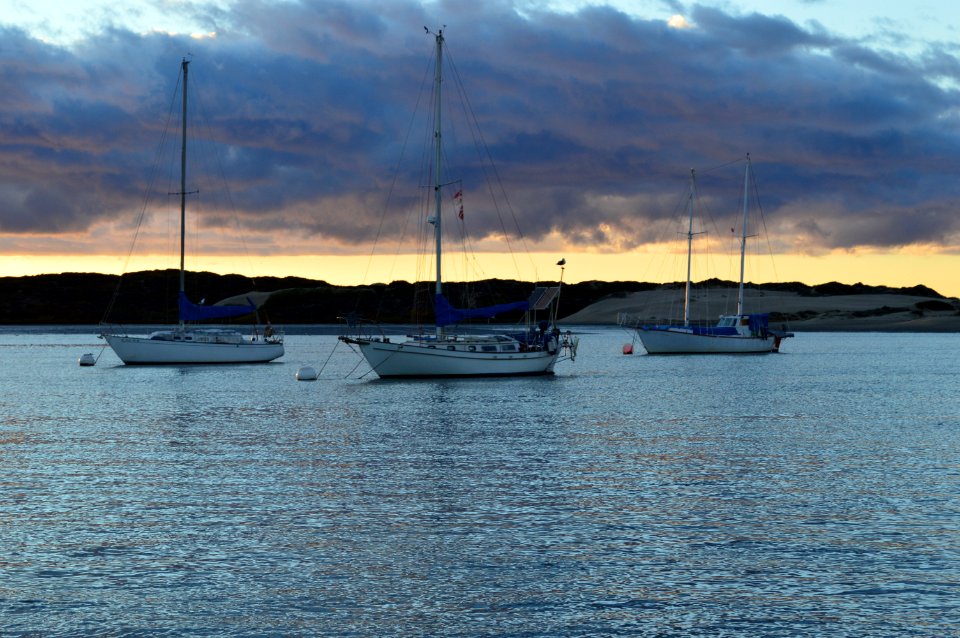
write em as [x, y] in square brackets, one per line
[150, 297]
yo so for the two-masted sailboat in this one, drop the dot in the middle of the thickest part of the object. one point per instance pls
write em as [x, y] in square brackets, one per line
[186, 343]
[534, 350]
[732, 334]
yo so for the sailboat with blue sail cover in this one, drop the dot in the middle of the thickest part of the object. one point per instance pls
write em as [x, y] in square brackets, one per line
[445, 352]
[185, 342]
[732, 334]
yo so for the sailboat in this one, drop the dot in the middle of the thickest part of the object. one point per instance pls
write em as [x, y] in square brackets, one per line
[445, 353]
[732, 334]
[186, 343]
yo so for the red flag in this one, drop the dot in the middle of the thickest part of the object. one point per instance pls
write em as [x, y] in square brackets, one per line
[458, 195]
[461, 213]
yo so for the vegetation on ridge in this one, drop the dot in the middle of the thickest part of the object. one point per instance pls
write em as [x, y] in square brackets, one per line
[150, 297]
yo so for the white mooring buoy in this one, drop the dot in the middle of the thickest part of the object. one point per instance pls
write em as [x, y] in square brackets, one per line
[306, 373]
[87, 359]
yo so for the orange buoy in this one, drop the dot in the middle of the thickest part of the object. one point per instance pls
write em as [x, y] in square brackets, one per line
[628, 348]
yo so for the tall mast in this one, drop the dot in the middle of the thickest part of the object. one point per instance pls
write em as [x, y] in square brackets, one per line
[438, 82]
[743, 232]
[183, 179]
[686, 291]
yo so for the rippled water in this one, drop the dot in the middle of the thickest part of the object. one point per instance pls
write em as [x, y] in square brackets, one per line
[814, 492]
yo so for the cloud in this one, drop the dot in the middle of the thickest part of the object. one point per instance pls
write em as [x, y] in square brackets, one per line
[592, 118]
[677, 21]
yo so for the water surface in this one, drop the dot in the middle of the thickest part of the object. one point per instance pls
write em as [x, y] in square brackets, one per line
[813, 492]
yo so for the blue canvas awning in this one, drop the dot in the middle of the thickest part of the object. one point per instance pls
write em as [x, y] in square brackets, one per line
[447, 315]
[190, 311]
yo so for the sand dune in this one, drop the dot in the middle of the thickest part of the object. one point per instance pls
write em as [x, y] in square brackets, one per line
[863, 312]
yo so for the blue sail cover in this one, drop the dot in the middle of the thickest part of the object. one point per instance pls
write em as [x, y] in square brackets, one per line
[190, 311]
[447, 314]
[759, 323]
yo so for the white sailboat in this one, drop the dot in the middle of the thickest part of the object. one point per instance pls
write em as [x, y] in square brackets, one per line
[740, 333]
[531, 351]
[184, 343]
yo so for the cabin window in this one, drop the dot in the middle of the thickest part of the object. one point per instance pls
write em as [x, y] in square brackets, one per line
[489, 348]
[451, 347]
[508, 348]
[472, 348]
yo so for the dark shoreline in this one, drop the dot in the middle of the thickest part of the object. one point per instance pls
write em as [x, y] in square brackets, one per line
[149, 298]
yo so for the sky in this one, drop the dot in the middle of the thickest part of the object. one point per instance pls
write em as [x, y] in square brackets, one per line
[593, 114]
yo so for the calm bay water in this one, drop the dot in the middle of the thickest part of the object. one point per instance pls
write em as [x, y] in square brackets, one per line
[814, 492]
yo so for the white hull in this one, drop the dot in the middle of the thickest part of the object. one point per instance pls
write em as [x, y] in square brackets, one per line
[144, 350]
[413, 359]
[681, 342]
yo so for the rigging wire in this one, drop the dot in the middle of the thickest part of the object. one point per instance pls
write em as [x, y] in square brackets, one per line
[391, 190]
[763, 222]
[494, 182]
[488, 167]
[205, 153]
[152, 177]
[719, 166]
